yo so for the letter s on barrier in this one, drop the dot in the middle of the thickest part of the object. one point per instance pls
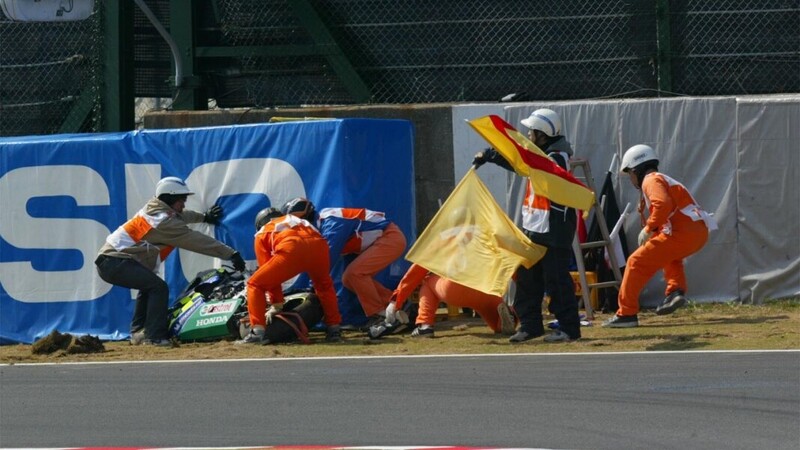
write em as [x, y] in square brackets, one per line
[19, 279]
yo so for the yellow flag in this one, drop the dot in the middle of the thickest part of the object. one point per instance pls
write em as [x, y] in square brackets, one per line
[472, 241]
[547, 178]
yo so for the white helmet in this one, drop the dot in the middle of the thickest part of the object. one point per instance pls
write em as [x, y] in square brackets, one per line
[545, 120]
[636, 155]
[172, 186]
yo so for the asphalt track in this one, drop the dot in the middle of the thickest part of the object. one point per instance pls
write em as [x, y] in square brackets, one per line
[698, 400]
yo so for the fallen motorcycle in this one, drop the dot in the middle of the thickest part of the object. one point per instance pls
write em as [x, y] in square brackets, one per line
[214, 307]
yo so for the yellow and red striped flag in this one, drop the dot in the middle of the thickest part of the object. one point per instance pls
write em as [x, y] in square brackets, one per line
[548, 178]
[472, 241]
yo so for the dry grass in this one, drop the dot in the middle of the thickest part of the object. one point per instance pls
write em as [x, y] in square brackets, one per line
[774, 325]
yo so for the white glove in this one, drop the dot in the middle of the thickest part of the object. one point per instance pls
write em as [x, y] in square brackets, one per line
[390, 311]
[401, 316]
[644, 236]
[274, 309]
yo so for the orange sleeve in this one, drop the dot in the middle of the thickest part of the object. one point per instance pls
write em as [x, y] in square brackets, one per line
[661, 204]
[410, 281]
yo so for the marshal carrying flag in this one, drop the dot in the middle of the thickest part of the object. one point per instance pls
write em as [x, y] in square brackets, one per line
[472, 241]
[548, 178]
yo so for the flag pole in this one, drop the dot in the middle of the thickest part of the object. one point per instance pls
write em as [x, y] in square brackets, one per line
[613, 162]
[619, 256]
[618, 226]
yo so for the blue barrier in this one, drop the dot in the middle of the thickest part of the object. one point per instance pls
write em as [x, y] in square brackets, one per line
[62, 195]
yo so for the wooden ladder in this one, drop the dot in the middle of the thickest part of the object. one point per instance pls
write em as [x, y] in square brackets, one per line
[578, 248]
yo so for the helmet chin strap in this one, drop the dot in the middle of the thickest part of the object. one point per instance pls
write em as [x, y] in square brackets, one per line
[642, 170]
[640, 173]
[547, 141]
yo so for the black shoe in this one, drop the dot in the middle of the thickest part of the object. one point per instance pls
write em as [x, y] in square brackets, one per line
[333, 334]
[621, 322]
[422, 332]
[371, 322]
[384, 328]
[674, 300]
[522, 336]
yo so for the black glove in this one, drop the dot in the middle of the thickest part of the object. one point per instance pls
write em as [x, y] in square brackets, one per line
[213, 215]
[238, 262]
[479, 159]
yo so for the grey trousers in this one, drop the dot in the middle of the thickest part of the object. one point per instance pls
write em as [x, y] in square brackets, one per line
[152, 301]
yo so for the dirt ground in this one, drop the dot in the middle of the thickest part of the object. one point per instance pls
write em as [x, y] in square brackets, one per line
[775, 325]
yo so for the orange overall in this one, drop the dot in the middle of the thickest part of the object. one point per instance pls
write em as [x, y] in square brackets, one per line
[680, 229]
[436, 289]
[358, 276]
[285, 247]
[376, 242]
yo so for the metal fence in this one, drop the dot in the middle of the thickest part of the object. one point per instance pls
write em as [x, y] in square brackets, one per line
[735, 47]
[449, 51]
[47, 70]
[423, 52]
[446, 51]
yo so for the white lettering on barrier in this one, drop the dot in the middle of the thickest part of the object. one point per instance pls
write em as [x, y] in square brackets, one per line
[275, 179]
[140, 185]
[18, 228]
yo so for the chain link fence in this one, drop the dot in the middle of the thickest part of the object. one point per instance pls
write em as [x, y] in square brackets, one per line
[452, 51]
[446, 51]
[47, 71]
[417, 52]
[735, 47]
